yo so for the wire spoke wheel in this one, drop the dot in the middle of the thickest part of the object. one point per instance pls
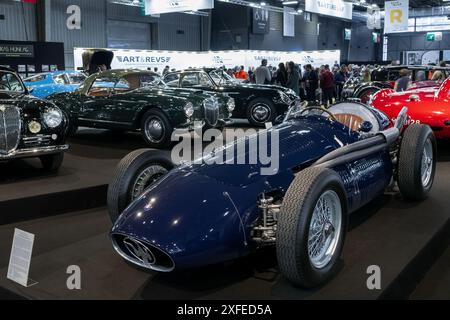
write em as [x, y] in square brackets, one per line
[145, 179]
[427, 163]
[324, 230]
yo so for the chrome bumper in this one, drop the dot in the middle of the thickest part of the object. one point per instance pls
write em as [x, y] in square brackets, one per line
[34, 152]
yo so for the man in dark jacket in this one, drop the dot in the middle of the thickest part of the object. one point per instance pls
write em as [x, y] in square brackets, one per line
[311, 83]
[327, 85]
[339, 79]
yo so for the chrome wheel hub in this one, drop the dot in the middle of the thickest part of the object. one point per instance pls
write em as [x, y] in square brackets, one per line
[325, 229]
[154, 129]
[427, 163]
[261, 113]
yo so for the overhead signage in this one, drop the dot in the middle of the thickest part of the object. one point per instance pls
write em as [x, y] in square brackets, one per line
[376, 37]
[373, 18]
[347, 34]
[434, 36]
[17, 50]
[334, 8]
[288, 22]
[20, 259]
[153, 7]
[396, 16]
[150, 59]
[261, 20]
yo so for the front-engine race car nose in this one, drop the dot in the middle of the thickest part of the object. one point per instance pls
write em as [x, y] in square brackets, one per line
[206, 229]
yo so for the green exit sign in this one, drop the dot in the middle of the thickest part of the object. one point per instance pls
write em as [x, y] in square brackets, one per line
[434, 36]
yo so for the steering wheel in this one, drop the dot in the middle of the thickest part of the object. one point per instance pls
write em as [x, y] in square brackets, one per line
[321, 109]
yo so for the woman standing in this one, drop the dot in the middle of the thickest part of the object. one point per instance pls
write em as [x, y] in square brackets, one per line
[282, 75]
[293, 79]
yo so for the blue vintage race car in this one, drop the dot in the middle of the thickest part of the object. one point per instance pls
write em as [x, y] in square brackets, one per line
[331, 163]
[44, 84]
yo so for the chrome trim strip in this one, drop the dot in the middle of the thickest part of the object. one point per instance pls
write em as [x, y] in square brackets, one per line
[102, 121]
[34, 152]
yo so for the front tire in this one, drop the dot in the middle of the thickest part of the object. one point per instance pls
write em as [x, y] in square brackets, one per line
[156, 129]
[312, 227]
[52, 162]
[261, 111]
[417, 162]
[134, 174]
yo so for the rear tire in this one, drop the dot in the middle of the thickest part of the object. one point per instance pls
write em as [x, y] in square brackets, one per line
[52, 162]
[417, 162]
[308, 248]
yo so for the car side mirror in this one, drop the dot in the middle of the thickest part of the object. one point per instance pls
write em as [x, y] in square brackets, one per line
[365, 127]
[30, 90]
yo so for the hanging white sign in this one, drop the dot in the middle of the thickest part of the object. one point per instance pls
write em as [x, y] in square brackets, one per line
[396, 16]
[334, 8]
[167, 6]
[288, 22]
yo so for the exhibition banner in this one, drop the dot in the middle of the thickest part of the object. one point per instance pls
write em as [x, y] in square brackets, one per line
[167, 6]
[17, 50]
[288, 22]
[261, 21]
[373, 18]
[396, 16]
[334, 8]
[150, 59]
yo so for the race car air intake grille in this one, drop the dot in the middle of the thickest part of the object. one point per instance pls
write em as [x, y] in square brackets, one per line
[9, 128]
[142, 254]
[211, 111]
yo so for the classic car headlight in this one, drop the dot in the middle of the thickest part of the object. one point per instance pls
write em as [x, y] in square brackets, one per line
[34, 127]
[53, 117]
[189, 109]
[231, 105]
[285, 98]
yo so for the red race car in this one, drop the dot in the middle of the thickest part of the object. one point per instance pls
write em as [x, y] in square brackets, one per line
[429, 106]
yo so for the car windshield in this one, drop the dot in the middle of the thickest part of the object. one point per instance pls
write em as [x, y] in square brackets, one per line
[105, 85]
[76, 78]
[10, 82]
[221, 77]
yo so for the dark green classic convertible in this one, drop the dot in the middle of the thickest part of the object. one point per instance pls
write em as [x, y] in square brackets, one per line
[139, 100]
[257, 103]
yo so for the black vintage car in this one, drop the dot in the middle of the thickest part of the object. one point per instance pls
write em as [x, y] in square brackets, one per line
[124, 100]
[257, 103]
[29, 127]
[385, 77]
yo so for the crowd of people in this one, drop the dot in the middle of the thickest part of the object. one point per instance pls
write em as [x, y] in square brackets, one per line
[323, 85]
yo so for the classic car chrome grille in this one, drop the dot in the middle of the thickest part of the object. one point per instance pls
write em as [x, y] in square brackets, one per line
[40, 140]
[211, 111]
[9, 128]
